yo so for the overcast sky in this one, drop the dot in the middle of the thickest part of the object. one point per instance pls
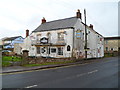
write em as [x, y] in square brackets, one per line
[18, 15]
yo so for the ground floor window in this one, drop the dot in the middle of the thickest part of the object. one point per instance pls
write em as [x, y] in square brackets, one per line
[60, 50]
[119, 49]
[68, 48]
[53, 50]
[112, 49]
[38, 50]
[106, 48]
[43, 50]
[48, 51]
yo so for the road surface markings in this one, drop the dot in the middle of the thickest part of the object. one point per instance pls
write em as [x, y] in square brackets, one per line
[79, 75]
[92, 71]
[31, 86]
[42, 69]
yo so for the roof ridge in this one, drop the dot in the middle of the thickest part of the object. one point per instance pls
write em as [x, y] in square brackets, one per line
[12, 38]
[60, 19]
[56, 24]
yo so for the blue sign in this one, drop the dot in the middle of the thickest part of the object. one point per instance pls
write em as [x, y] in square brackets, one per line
[78, 34]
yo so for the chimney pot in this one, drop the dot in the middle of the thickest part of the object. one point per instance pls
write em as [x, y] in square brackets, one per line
[27, 32]
[78, 14]
[91, 26]
[43, 20]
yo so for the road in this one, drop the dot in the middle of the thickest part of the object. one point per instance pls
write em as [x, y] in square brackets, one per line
[102, 74]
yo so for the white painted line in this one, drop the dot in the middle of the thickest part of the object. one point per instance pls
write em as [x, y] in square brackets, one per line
[92, 71]
[81, 74]
[31, 86]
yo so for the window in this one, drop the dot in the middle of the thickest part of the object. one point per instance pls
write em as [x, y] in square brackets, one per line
[48, 50]
[111, 49]
[60, 36]
[106, 42]
[53, 50]
[43, 50]
[100, 39]
[68, 48]
[89, 32]
[119, 49]
[49, 36]
[38, 50]
[106, 48]
[32, 48]
[60, 51]
[38, 36]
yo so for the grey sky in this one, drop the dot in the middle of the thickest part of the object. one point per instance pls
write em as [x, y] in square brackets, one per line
[18, 15]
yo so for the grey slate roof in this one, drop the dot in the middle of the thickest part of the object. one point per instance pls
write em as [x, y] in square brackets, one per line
[57, 24]
[11, 38]
[6, 44]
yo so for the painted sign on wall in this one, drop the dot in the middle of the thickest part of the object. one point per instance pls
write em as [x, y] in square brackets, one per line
[78, 34]
[44, 40]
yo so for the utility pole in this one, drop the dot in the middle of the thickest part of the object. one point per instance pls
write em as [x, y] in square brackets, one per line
[85, 35]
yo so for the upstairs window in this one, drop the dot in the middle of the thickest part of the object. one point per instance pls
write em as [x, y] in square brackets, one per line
[49, 35]
[38, 36]
[60, 36]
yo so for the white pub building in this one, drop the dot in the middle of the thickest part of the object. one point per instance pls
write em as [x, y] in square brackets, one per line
[64, 38]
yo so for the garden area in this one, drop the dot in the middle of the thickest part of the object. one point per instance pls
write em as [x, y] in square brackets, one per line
[9, 60]
[18, 61]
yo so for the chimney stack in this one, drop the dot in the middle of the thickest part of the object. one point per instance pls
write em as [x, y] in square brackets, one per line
[43, 20]
[78, 14]
[27, 32]
[91, 26]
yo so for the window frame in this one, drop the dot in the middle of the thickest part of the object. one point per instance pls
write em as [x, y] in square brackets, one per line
[51, 50]
[38, 50]
[68, 48]
[60, 51]
[60, 36]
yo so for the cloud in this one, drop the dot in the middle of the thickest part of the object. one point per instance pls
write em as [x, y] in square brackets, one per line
[18, 15]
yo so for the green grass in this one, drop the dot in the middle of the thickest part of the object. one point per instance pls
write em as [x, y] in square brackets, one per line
[48, 63]
[7, 59]
[10, 58]
[5, 64]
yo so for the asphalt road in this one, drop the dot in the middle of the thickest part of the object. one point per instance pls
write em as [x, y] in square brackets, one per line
[102, 74]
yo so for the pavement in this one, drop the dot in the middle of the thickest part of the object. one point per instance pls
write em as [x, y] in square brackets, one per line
[13, 69]
[100, 73]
